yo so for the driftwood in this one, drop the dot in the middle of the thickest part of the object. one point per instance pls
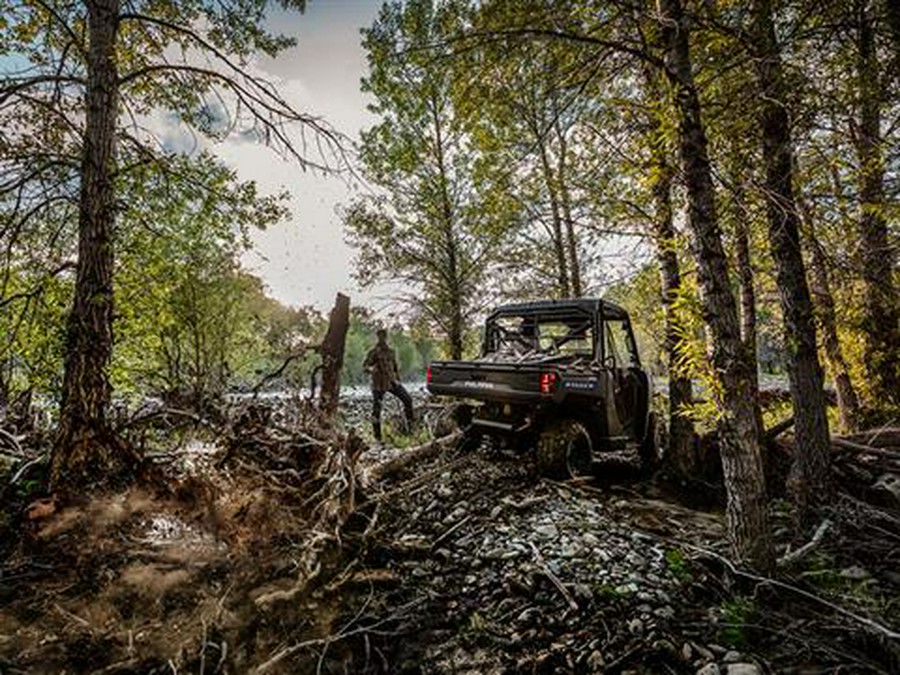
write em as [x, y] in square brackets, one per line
[884, 437]
[844, 444]
[808, 547]
[10, 441]
[268, 377]
[416, 454]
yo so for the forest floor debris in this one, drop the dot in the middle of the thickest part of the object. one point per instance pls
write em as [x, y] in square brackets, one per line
[269, 556]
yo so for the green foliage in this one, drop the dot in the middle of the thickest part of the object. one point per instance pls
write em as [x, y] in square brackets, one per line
[739, 614]
[677, 564]
[433, 229]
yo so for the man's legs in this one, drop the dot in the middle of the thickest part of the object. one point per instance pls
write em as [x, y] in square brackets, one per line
[400, 392]
[377, 397]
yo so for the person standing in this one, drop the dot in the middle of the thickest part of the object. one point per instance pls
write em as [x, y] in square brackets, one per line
[381, 364]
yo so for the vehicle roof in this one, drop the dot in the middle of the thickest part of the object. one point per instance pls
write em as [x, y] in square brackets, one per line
[607, 309]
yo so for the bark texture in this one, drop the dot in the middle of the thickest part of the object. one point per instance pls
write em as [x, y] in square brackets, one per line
[681, 457]
[881, 325]
[744, 265]
[810, 474]
[333, 354]
[84, 447]
[566, 202]
[748, 526]
[847, 399]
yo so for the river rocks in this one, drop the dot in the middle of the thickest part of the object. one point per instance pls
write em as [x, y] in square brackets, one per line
[709, 669]
[731, 657]
[854, 573]
[545, 576]
[742, 669]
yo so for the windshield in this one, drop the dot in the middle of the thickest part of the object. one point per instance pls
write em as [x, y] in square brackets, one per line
[535, 335]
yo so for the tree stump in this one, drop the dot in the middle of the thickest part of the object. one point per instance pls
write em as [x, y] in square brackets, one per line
[333, 354]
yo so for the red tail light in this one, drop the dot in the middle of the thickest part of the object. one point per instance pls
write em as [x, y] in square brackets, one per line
[548, 382]
[428, 375]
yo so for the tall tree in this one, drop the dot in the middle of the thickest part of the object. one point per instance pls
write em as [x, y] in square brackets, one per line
[810, 480]
[95, 70]
[847, 399]
[84, 445]
[681, 455]
[739, 445]
[881, 324]
[434, 229]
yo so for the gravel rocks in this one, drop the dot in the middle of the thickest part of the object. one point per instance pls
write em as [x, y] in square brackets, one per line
[535, 576]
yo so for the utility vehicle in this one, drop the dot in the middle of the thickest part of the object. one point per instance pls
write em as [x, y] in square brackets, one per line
[563, 376]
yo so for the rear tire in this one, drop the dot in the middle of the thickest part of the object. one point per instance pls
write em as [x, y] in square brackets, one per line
[564, 450]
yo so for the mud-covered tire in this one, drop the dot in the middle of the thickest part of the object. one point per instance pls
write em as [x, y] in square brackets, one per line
[651, 446]
[564, 450]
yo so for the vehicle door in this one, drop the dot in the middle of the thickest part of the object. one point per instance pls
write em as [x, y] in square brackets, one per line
[630, 386]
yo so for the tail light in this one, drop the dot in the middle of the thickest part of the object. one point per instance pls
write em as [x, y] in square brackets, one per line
[548, 382]
[428, 375]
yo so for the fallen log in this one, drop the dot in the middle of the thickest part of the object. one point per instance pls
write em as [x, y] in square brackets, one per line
[884, 437]
[844, 444]
[416, 454]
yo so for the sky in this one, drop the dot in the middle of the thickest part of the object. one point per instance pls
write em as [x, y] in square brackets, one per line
[305, 260]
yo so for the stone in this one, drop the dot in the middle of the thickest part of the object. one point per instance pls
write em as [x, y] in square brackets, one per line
[590, 539]
[582, 592]
[732, 656]
[570, 550]
[635, 626]
[887, 487]
[854, 573]
[596, 662]
[742, 669]
[548, 531]
[709, 669]
[496, 511]
[664, 612]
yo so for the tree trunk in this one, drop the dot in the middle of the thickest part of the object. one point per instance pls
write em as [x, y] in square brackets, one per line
[847, 400]
[881, 324]
[566, 203]
[84, 450]
[810, 474]
[681, 456]
[333, 354]
[455, 332]
[748, 525]
[744, 267]
[562, 268]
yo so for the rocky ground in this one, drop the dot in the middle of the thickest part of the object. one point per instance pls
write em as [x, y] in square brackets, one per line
[462, 561]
